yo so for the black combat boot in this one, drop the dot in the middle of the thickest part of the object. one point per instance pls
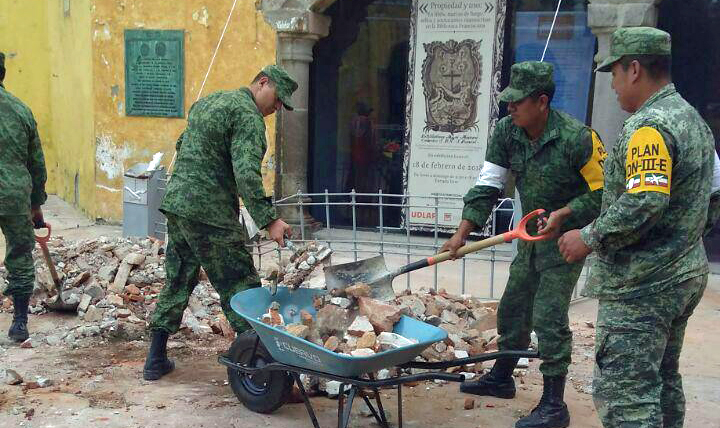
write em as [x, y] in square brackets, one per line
[498, 383]
[551, 412]
[157, 363]
[18, 329]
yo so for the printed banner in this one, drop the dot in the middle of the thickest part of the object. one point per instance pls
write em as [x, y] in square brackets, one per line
[455, 61]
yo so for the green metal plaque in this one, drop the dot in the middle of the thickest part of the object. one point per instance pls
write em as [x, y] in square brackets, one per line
[154, 73]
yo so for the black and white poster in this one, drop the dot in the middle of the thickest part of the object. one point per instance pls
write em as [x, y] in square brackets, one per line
[455, 66]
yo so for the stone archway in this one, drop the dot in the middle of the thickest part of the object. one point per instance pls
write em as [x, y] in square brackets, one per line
[299, 24]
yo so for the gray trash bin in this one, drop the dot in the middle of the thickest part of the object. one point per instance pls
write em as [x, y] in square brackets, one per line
[143, 191]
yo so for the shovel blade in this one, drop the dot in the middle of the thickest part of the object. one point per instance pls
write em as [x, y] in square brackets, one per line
[370, 271]
[57, 304]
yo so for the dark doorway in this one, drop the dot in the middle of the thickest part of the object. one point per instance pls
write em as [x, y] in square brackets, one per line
[694, 26]
[357, 107]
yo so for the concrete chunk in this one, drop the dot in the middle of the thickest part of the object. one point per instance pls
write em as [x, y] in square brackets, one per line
[360, 326]
[367, 340]
[358, 290]
[84, 302]
[298, 330]
[332, 343]
[134, 259]
[11, 377]
[381, 315]
[393, 341]
[341, 301]
[118, 286]
[331, 319]
[362, 352]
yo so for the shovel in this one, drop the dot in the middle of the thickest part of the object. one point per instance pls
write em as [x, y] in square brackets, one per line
[57, 304]
[373, 271]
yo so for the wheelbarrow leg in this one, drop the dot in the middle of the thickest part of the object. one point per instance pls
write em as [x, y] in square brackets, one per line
[383, 418]
[341, 404]
[383, 422]
[374, 412]
[345, 406]
[399, 398]
[306, 399]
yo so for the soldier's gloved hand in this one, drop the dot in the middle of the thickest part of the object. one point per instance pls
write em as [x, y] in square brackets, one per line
[551, 224]
[38, 220]
[278, 230]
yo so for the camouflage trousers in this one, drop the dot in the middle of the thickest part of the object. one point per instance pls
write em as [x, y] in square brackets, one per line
[19, 243]
[538, 300]
[221, 252]
[637, 350]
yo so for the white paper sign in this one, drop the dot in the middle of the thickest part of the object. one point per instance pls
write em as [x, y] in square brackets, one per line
[455, 58]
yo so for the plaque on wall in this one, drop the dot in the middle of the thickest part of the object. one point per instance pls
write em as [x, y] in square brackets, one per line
[154, 73]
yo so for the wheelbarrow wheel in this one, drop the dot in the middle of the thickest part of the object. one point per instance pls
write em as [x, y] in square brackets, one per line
[263, 392]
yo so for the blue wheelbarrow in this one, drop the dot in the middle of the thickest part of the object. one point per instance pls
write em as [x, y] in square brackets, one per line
[263, 363]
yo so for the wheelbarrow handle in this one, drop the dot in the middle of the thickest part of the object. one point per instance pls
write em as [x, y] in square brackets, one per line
[42, 242]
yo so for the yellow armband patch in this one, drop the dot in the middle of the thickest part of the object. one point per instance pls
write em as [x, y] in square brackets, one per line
[648, 166]
[592, 171]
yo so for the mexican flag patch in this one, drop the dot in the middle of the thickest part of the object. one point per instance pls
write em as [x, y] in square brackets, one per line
[633, 182]
[653, 179]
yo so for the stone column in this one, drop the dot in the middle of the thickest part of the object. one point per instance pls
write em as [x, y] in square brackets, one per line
[298, 30]
[604, 17]
[294, 53]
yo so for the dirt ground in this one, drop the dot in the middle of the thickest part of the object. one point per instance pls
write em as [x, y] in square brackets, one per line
[102, 386]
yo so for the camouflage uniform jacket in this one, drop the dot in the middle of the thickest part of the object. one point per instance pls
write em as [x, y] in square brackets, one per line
[219, 158]
[564, 167]
[654, 209]
[22, 165]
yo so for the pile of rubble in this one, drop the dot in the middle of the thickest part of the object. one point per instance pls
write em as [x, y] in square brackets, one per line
[351, 322]
[116, 283]
[300, 266]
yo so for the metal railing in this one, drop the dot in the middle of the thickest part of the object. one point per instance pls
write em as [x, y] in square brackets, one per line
[399, 243]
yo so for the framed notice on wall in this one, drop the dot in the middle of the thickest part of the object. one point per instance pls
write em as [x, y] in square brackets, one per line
[154, 73]
[455, 66]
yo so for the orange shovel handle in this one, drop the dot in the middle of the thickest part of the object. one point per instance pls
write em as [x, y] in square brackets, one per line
[521, 230]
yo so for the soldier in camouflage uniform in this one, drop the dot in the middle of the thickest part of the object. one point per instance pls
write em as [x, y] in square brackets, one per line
[557, 165]
[651, 267]
[218, 160]
[22, 192]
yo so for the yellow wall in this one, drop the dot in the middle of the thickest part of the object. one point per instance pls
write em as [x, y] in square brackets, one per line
[66, 61]
[122, 141]
[24, 40]
[71, 102]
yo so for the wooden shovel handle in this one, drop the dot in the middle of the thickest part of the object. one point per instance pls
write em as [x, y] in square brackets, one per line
[42, 241]
[519, 232]
[467, 249]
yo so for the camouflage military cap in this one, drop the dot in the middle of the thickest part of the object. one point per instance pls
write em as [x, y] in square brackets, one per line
[284, 84]
[526, 78]
[635, 41]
